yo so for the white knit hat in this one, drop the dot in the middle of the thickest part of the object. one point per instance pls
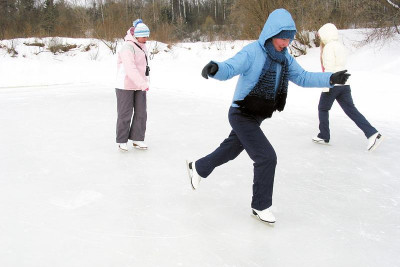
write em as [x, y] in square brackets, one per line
[141, 30]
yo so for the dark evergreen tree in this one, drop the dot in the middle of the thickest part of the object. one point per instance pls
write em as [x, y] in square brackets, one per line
[49, 17]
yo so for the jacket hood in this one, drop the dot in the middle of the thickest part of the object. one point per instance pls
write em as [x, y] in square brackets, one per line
[278, 20]
[129, 36]
[328, 33]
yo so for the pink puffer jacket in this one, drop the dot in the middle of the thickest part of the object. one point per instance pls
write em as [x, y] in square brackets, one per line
[131, 65]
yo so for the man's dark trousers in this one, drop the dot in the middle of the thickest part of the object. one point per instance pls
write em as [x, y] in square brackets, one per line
[246, 135]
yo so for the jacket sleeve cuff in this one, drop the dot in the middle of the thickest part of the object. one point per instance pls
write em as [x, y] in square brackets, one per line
[220, 73]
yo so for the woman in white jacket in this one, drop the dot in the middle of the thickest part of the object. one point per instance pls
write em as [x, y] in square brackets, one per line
[333, 59]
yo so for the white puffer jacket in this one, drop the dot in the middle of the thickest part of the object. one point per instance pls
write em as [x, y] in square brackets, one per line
[333, 54]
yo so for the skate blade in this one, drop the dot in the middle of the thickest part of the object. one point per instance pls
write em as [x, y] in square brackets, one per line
[122, 150]
[377, 143]
[140, 148]
[190, 177]
[321, 143]
[256, 216]
[264, 222]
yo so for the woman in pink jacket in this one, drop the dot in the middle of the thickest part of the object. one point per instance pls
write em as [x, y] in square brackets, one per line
[131, 88]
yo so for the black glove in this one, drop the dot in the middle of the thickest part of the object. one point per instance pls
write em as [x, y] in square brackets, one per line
[209, 69]
[339, 77]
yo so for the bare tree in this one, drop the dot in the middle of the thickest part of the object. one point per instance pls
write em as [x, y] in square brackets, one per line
[384, 18]
[393, 4]
[250, 15]
[7, 16]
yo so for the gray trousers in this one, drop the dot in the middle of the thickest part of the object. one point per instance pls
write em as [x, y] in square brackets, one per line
[131, 102]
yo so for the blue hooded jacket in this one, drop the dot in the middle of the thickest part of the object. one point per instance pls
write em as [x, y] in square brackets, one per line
[249, 62]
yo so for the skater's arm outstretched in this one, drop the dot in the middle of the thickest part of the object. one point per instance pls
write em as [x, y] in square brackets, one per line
[227, 69]
[305, 78]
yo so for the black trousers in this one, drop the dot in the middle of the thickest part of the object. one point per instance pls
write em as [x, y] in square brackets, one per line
[246, 135]
[342, 94]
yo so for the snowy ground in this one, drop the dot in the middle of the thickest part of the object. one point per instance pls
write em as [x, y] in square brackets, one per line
[68, 197]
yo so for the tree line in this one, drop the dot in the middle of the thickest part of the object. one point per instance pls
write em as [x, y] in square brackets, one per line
[187, 20]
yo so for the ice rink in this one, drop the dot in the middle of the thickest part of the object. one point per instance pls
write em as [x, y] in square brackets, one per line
[68, 197]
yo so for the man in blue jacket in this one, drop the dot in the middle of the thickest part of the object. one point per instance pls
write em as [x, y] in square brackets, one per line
[265, 67]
